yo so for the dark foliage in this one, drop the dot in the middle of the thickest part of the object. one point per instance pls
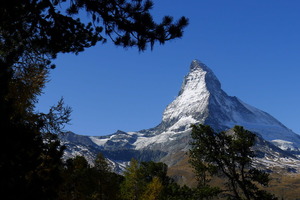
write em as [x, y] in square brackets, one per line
[32, 33]
[41, 26]
[227, 155]
[149, 180]
[30, 162]
[82, 181]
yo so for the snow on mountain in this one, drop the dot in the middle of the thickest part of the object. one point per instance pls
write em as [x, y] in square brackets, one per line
[99, 141]
[200, 100]
[285, 145]
[192, 101]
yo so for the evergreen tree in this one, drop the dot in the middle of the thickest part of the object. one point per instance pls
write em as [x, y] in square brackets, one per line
[30, 167]
[78, 182]
[32, 33]
[149, 180]
[150, 170]
[108, 183]
[40, 26]
[81, 181]
[227, 155]
[101, 164]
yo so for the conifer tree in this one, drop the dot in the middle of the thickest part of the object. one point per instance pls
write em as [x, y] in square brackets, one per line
[31, 167]
[107, 182]
[149, 180]
[227, 155]
[101, 164]
[32, 33]
[83, 181]
[153, 190]
[78, 180]
[133, 185]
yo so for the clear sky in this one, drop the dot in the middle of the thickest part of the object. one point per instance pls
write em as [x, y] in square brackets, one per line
[253, 47]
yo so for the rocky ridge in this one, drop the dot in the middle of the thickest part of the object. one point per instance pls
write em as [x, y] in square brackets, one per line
[200, 100]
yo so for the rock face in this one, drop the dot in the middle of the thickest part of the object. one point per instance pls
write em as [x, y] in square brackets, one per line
[200, 100]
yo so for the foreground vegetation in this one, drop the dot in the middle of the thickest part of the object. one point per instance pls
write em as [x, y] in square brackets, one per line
[282, 184]
[141, 181]
[226, 156]
[32, 34]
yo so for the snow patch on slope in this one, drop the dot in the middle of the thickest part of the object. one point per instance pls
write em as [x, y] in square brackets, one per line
[183, 123]
[98, 141]
[285, 145]
[143, 141]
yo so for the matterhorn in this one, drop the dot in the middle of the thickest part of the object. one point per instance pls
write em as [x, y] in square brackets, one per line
[200, 100]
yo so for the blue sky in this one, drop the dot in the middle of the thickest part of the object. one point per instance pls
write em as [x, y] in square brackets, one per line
[253, 47]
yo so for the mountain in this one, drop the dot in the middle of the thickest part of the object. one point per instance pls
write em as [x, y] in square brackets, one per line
[200, 100]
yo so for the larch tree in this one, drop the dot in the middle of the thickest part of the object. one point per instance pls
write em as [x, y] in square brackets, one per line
[133, 185]
[32, 33]
[153, 190]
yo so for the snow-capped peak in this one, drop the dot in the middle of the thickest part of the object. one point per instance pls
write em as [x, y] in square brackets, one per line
[197, 64]
[201, 100]
[211, 81]
[193, 96]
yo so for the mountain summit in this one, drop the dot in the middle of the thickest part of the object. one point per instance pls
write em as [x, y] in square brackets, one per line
[200, 100]
[191, 104]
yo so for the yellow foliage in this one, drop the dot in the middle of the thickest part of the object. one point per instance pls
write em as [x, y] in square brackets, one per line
[153, 190]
